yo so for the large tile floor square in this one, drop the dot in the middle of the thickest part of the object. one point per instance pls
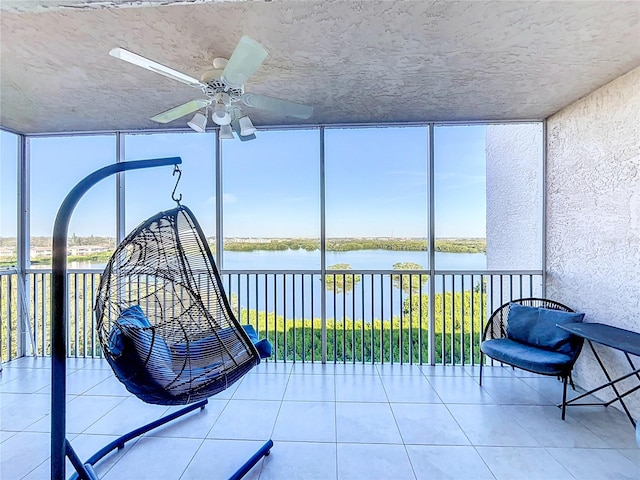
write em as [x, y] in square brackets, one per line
[340, 422]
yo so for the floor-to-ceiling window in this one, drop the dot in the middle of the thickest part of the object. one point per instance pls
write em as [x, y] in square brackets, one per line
[8, 198]
[57, 164]
[149, 191]
[271, 222]
[460, 239]
[376, 221]
[9, 145]
[363, 193]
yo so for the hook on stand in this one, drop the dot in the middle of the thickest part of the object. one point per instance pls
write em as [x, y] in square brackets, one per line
[177, 170]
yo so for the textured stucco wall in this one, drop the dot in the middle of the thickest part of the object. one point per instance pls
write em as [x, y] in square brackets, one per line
[593, 216]
[514, 196]
[514, 204]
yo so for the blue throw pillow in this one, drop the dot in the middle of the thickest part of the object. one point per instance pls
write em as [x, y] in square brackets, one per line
[263, 346]
[139, 354]
[133, 317]
[538, 327]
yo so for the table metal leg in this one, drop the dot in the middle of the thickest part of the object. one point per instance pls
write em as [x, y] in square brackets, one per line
[611, 383]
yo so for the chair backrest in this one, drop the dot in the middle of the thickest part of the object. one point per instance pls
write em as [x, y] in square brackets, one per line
[496, 326]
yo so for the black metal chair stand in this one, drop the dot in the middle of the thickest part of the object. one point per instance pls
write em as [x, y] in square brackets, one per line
[60, 447]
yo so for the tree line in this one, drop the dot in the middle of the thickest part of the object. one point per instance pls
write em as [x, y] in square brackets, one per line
[449, 245]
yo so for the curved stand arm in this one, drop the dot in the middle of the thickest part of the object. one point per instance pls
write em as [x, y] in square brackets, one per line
[59, 445]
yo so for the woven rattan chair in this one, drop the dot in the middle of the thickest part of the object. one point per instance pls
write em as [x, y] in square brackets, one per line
[163, 319]
[165, 324]
[501, 343]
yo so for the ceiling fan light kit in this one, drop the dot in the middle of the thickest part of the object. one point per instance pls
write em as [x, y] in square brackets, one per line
[198, 123]
[223, 85]
[225, 132]
[246, 126]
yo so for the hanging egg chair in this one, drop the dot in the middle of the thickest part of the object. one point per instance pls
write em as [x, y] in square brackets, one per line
[163, 320]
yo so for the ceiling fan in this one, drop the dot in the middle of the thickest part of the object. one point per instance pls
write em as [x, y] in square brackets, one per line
[223, 87]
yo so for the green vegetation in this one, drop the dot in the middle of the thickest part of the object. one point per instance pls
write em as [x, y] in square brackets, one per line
[403, 338]
[341, 283]
[411, 283]
[461, 245]
[81, 329]
[449, 245]
[273, 245]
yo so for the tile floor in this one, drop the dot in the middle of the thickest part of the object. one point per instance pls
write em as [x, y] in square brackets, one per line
[327, 422]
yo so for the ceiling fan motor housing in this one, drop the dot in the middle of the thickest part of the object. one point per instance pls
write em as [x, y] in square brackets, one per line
[213, 85]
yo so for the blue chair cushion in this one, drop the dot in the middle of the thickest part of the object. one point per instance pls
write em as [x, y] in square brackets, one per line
[144, 363]
[538, 327]
[133, 317]
[140, 358]
[263, 346]
[523, 356]
[201, 348]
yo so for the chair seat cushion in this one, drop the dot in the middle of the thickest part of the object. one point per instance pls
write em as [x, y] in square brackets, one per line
[146, 365]
[208, 346]
[527, 357]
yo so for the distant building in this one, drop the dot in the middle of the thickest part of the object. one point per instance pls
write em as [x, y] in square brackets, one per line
[87, 249]
[40, 252]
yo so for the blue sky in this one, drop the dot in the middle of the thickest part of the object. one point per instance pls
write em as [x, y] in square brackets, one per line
[376, 182]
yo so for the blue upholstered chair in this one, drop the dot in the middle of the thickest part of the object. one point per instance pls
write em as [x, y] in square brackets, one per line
[523, 333]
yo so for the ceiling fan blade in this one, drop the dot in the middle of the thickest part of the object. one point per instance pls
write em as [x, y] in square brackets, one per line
[276, 105]
[143, 62]
[180, 111]
[245, 60]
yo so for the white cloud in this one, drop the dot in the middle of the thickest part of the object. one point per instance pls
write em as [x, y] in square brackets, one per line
[228, 198]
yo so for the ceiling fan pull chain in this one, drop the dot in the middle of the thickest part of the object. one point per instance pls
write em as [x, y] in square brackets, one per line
[177, 170]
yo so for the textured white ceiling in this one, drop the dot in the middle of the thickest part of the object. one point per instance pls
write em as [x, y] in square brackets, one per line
[353, 61]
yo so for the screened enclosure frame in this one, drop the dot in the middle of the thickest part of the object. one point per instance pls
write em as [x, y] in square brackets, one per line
[23, 264]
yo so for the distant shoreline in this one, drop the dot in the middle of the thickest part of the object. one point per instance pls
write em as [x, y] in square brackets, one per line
[447, 245]
[235, 244]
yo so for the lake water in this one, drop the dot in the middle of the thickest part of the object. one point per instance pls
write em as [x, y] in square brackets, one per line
[372, 296]
[357, 259]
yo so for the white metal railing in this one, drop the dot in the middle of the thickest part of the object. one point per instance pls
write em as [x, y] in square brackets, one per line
[370, 316]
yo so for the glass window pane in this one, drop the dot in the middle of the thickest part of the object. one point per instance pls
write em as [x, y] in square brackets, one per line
[57, 165]
[148, 191]
[272, 201]
[8, 198]
[376, 197]
[488, 190]
[460, 197]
